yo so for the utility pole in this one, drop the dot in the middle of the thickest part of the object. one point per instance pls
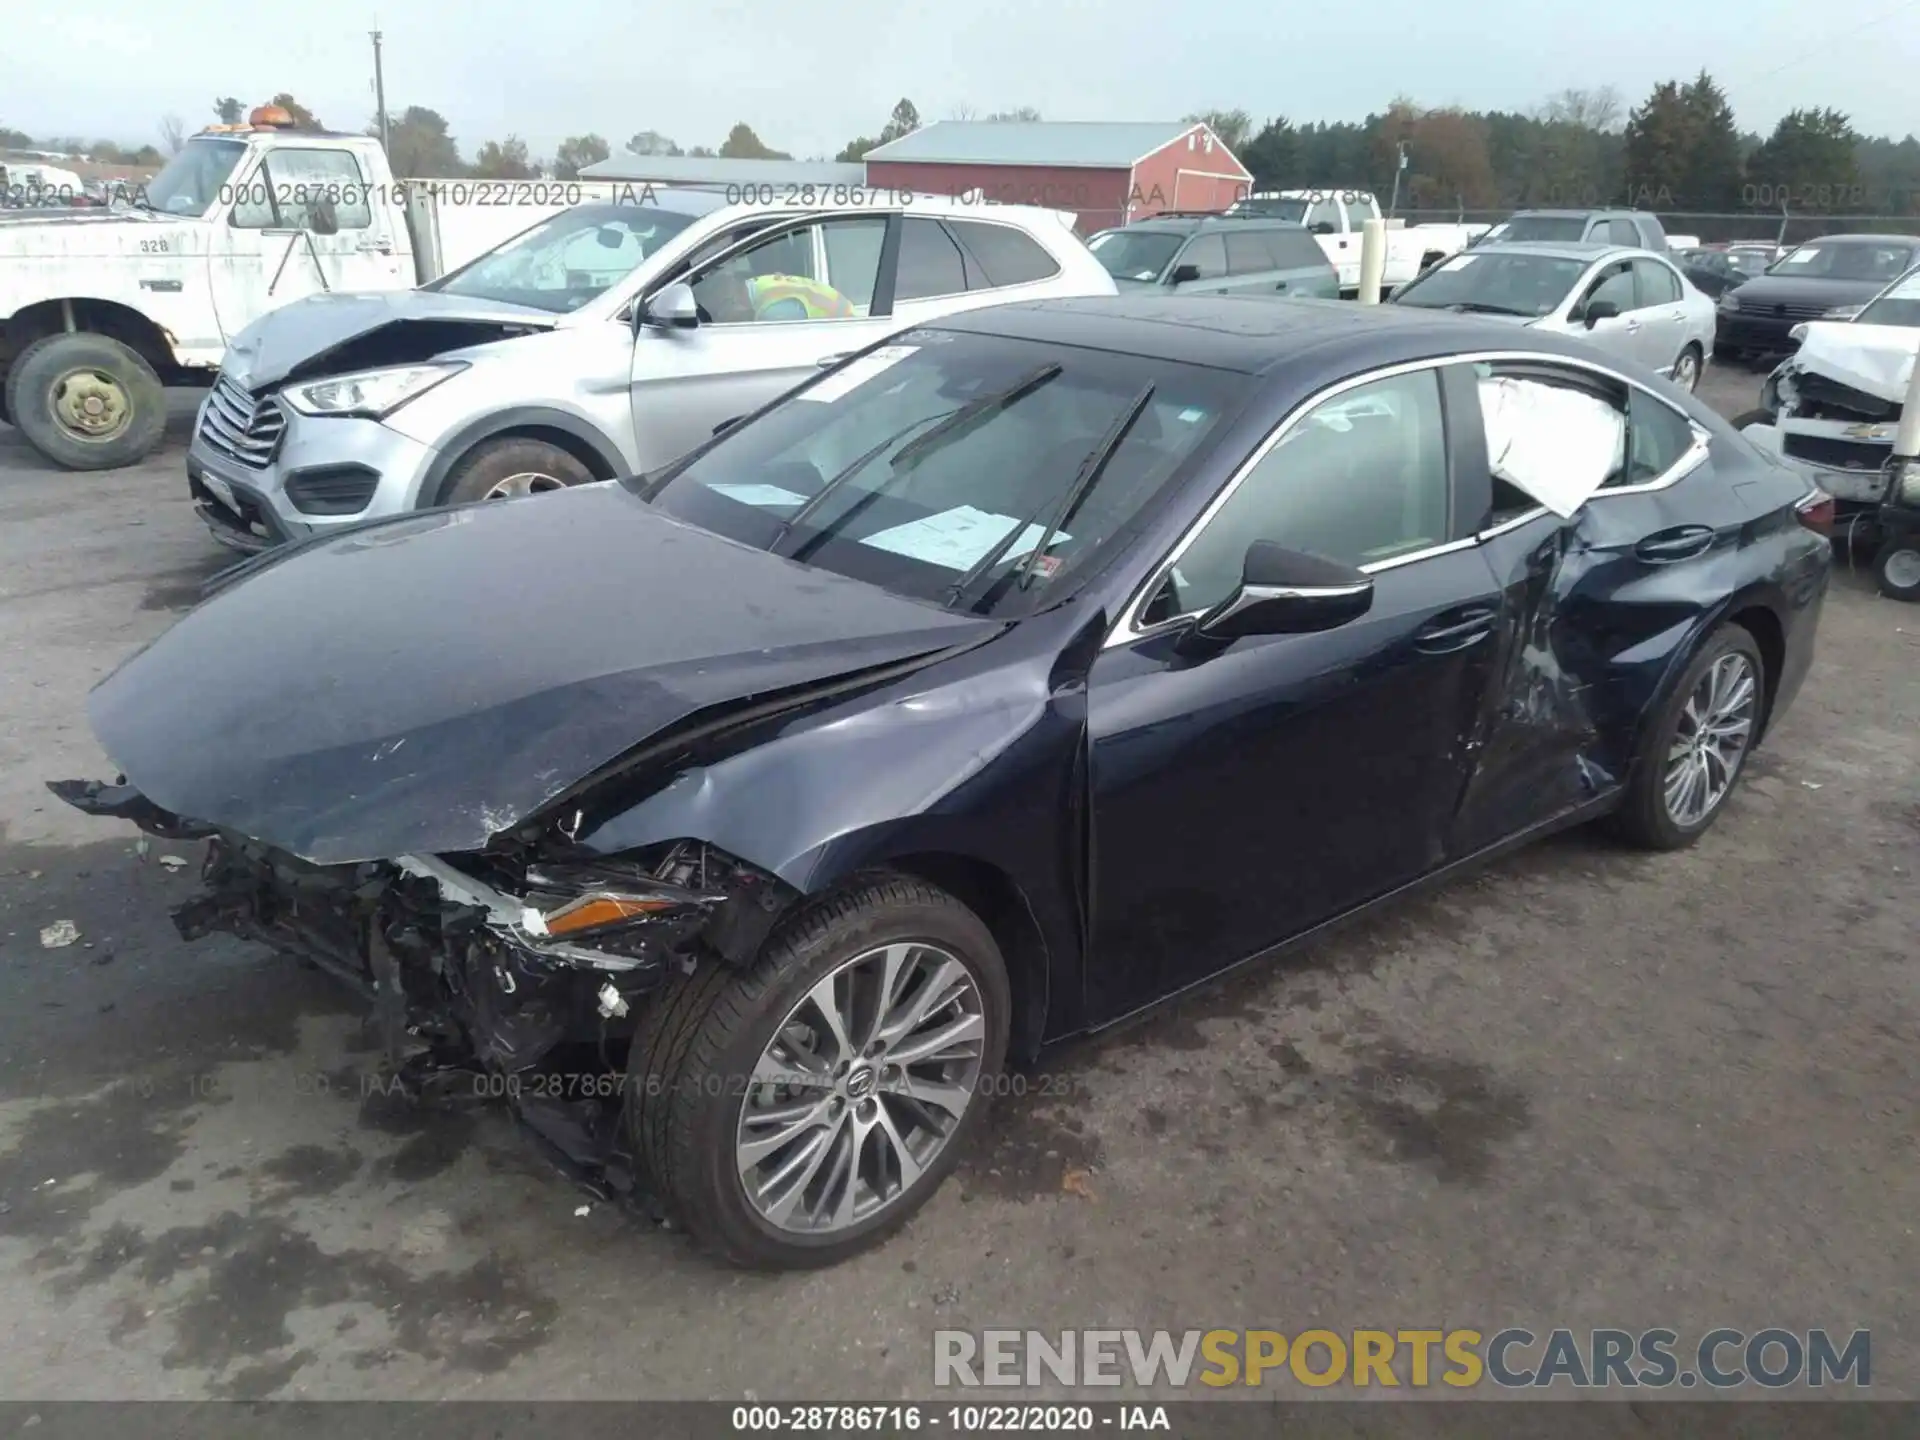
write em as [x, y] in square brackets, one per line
[379, 88]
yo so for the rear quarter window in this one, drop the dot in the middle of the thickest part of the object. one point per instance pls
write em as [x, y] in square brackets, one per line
[1000, 255]
[1294, 250]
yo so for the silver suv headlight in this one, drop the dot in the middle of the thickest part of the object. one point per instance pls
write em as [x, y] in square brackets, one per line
[372, 393]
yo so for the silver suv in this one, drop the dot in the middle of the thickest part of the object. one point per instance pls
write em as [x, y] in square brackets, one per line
[607, 340]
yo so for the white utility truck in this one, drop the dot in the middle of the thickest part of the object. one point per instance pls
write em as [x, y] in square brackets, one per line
[100, 308]
[1336, 218]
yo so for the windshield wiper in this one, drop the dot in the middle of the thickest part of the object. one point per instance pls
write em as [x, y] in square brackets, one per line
[1479, 307]
[963, 420]
[1089, 472]
[840, 477]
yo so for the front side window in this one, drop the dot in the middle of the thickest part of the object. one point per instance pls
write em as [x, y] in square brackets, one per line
[1494, 282]
[908, 466]
[1615, 287]
[568, 259]
[1360, 478]
[1135, 254]
[292, 186]
[776, 279]
[194, 178]
[1207, 255]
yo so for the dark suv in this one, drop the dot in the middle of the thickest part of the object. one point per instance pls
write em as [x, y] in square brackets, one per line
[1607, 227]
[1217, 255]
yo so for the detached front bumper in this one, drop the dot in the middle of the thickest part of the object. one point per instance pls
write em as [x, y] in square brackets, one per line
[325, 472]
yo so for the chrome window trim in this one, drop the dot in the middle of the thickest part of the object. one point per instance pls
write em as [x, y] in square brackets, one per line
[1127, 628]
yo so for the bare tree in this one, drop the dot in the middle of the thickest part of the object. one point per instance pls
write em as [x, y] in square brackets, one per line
[1599, 109]
[963, 112]
[173, 130]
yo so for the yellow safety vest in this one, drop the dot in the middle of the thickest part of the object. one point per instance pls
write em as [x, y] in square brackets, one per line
[822, 302]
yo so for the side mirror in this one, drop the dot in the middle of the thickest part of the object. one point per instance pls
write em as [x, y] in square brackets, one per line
[1285, 592]
[671, 308]
[1183, 273]
[322, 218]
[1321, 227]
[1598, 310]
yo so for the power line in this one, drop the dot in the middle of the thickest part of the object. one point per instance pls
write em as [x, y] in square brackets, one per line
[1827, 41]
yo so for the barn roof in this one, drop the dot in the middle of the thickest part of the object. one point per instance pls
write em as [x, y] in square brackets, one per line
[1095, 144]
[717, 170]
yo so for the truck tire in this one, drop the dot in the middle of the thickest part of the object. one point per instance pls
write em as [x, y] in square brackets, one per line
[512, 465]
[1897, 569]
[86, 401]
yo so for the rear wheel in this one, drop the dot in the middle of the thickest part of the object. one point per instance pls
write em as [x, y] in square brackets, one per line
[514, 465]
[86, 401]
[1697, 746]
[797, 1111]
[1897, 569]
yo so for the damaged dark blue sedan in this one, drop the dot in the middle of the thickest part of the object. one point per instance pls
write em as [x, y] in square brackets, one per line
[742, 821]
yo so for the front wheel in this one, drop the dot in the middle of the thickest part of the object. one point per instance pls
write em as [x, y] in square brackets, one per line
[1696, 746]
[1897, 568]
[1686, 370]
[798, 1111]
[86, 401]
[512, 465]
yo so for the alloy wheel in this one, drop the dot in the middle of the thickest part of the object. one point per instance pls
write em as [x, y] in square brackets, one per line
[860, 1088]
[527, 482]
[1715, 730]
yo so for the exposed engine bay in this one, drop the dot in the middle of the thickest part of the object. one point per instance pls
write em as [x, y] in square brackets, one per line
[515, 974]
[1836, 405]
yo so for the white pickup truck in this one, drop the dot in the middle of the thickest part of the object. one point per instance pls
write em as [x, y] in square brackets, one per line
[1336, 216]
[100, 308]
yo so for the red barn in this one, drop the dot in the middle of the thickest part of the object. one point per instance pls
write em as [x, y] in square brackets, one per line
[1107, 173]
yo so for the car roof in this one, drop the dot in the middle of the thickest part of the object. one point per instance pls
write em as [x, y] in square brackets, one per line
[1861, 239]
[1585, 250]
[1248, 334]
[1187, 224]
[1574, 214]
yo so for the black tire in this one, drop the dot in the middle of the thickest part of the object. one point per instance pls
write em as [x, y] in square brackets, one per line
[1752, 417]
[495, 462]
[703, 1033]
[1642, 819]
[1699, 366]
[52, 361]
[1902, 554]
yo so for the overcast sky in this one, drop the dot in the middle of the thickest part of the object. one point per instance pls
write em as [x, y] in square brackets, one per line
[810, 77]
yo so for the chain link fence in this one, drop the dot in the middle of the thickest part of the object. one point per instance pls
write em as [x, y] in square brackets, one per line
[1717, 227]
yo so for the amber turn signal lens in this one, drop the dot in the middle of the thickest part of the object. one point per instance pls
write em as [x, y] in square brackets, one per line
[591, 912]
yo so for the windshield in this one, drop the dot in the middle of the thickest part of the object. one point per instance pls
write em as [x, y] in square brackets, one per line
[194, 178]
[1853, 260]
[1270, 208]
[1544, 227]
[859, 475]
[1495, 282]
[1135, 254]
[1898, 304]
[569, 259]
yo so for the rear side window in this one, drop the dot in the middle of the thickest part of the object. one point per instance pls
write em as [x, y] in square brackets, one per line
[1001, 255]
[1658, 285]
[1657, 438]
[1246, 255]
[1623, 232]
[1208, 254]
[1293, 249]
[1656, 238]
[930, 262]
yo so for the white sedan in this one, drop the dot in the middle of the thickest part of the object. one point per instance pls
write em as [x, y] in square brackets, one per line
[1632, 303]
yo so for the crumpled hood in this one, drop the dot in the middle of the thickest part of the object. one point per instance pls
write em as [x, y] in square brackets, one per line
[1875, 358]
[283, 340]
[421, 685]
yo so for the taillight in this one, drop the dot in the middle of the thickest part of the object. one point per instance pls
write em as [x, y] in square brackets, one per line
[1816, 512]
